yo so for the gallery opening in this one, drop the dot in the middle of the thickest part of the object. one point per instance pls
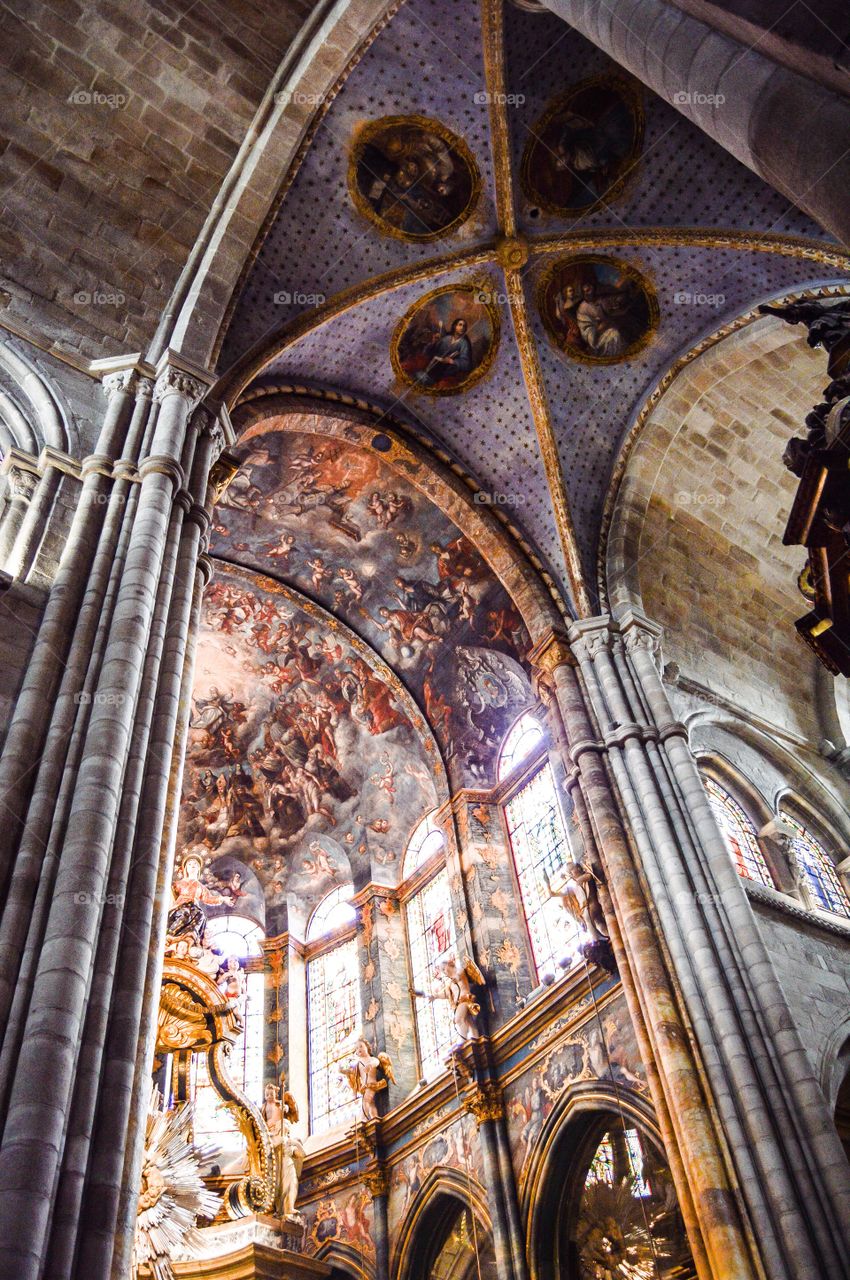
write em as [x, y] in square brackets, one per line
[424, 640]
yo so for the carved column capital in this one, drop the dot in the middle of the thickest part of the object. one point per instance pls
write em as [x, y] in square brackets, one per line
[484, 1101]
[124, 382]
[174, 381]
[376, 1180]
[22, 482]
[223, 470]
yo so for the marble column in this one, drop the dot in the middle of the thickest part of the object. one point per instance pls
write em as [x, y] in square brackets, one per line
[87, 770]
[483, 1100]
[377, 1182]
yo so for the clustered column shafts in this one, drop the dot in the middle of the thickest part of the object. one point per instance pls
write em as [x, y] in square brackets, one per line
[22, 485]
[591, 837]
[89, 785]
[722, 1245]
[789, 1175]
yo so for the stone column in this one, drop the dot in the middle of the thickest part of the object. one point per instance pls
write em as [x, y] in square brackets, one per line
[121, 610]
[748, 103]
[377, 1182]
[754, 1065]
[35, 526]
[22, 481]
[720, 1240]
[483, 1101]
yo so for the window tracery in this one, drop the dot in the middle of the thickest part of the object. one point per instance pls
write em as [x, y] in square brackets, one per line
[430, 939]
[542, 854]
[739, 834]
[817, 869]
[333, 1012]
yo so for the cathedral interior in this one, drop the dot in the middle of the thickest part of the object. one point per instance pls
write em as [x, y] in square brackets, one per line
[424, 640]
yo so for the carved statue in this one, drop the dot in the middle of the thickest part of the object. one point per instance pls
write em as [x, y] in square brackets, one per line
[828, 322]
[186, 915]
[580, 899]
[363, 1074]
[456, 986]
[289, 1151]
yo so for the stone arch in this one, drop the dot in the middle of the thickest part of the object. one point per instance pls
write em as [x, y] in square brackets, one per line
[715, 765]
[500, 542]
[31, 415]
[696, 512]
[347, 1261]
[302, 88]
[444, 1191]
[558, 1156]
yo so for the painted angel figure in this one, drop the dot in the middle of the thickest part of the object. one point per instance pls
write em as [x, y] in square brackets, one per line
[456, 984]
[580, 899]
[364, 1074]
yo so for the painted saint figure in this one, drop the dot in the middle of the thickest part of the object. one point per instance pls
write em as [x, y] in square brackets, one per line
[364, 1073]
[448, 354]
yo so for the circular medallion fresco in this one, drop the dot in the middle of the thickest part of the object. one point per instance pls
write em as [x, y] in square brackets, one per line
[597, 309]
[583, 148]
[412, 177]
[447, 340]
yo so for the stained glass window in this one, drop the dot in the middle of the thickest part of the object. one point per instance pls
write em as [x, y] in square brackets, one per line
[542, 855]
[431, 936]
[524, 738]
[333, 912]
[333, 1006]
[238, 941]
[818, 869]
[424, 843]
[739, 834]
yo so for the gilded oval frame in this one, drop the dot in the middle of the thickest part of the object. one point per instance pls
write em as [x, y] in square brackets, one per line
[366, 134]
[482, 290]
[638, 274]
[631, 94]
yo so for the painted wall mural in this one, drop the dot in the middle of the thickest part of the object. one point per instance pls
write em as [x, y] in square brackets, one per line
[587, 1052]
[596, 309]
[346, 1217]
[335, 521]
[305, 761]
[584, 147]
[448, 339]
[458, 1146]
[412, 177]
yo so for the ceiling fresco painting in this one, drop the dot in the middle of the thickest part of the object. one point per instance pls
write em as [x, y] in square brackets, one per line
[448, 339]
[584, 165]
[335, 521]
[597, 309]
[307, 761]
[585, 146]
[412, 177]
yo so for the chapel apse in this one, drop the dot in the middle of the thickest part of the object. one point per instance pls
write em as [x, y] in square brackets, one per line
[335, 521]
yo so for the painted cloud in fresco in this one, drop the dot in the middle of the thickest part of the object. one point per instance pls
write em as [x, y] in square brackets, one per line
[304, 761]
[336, 522]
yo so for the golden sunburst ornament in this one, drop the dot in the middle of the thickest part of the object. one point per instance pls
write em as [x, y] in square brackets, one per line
[172, 1195]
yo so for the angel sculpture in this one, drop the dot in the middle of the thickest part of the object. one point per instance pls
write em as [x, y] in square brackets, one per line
[280, 1115]
[172, 1195]
[456, 985]
[580, 899]
[363, 1074]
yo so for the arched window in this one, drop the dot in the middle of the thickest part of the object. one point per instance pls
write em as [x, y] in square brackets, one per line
[431, 939]
[541, 850]
[739, 834]
[523, 739]
[333, 1009]
[237, 939]
[818, 869]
